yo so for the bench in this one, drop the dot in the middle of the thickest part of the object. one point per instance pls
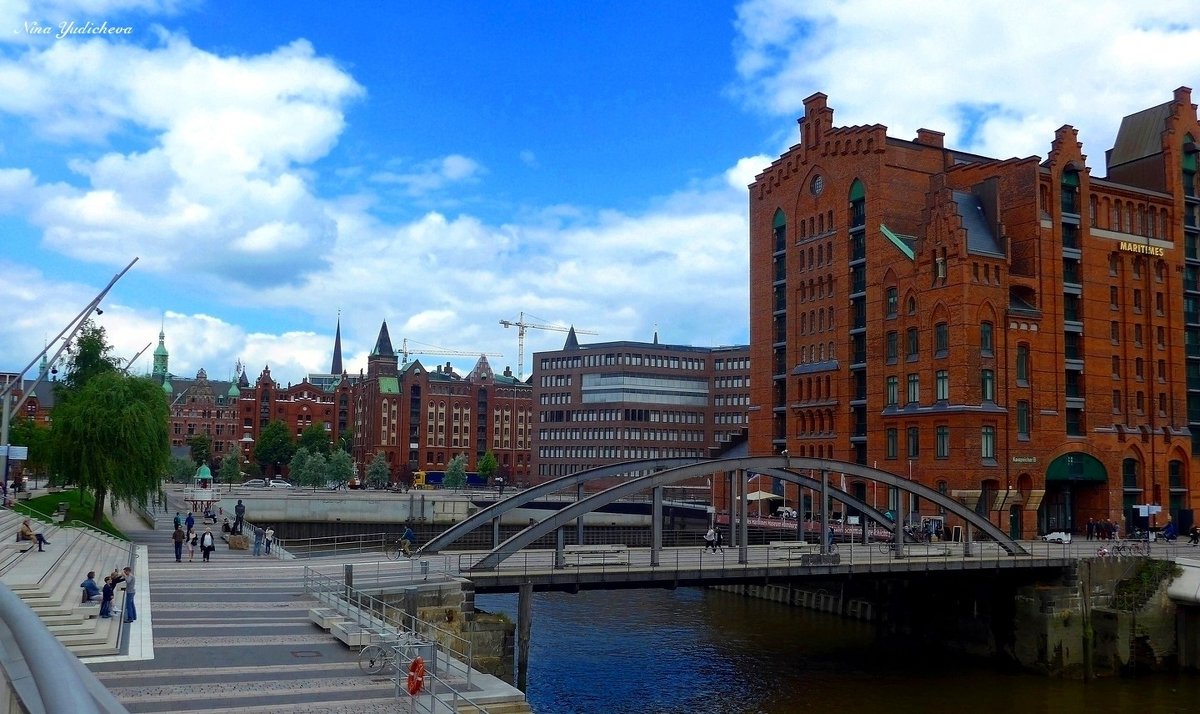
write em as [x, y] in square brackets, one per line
[792, 549]
[614, 554]
[60, 513]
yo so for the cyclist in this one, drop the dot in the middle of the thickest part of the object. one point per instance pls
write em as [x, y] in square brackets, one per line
[407, 540]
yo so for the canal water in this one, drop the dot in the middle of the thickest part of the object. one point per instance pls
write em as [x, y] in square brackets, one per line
[698, 651]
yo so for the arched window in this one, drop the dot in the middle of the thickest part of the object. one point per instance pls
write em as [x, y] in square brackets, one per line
[858, 204]
[779, 228]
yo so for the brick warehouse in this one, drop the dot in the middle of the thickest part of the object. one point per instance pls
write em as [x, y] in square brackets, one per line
[1017, 333]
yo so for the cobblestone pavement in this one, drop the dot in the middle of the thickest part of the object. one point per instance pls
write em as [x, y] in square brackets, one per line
[234, 635]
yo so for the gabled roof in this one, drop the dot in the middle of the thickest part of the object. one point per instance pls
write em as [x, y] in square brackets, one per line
[1140, 135]
[980, 237]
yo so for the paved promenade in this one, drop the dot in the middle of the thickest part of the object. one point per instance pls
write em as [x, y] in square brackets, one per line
[230, 635]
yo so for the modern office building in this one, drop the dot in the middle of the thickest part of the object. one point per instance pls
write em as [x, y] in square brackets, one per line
[603, 403]
[1018, 333]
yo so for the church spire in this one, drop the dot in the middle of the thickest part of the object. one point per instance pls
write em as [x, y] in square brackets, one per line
[160, 354]
[337, 348]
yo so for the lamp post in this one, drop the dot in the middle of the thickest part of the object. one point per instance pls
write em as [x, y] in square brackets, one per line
[247, 443]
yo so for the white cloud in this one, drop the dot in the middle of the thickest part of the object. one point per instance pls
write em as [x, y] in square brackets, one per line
[432, 175]
[998, 78]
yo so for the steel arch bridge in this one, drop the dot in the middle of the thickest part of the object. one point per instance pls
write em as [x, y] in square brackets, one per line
[669, 471]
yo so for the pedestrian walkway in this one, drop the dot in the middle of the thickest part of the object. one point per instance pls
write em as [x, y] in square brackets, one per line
[230, 635]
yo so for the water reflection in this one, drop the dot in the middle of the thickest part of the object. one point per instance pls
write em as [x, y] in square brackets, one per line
[701, 651]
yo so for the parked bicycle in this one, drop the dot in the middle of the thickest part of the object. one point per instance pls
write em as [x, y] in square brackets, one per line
[390, 653]
[1125, 547]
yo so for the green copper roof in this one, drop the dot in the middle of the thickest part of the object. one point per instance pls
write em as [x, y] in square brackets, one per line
[233, 390]
[167, 386]
[898, 241]
[389, 385]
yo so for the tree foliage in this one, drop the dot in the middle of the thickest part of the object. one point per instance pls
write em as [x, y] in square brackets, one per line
[200, 447]
[231, 469]
[274, 447]
[488, 466]
[346, 439]
[379, 475]
[308, 468]
[315, 439]
[456, 473]
[111, 438]
[341, 468]
[88, 355]
[181, 470]
[27, 432]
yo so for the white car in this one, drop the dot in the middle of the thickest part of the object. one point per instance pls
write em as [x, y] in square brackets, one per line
[1057, 537]
[255, 483]
[279, 483]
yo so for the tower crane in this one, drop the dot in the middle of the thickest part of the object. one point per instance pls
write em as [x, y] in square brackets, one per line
[522, 325]
[405, 352]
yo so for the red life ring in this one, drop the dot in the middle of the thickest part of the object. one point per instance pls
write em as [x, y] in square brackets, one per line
[416, 676]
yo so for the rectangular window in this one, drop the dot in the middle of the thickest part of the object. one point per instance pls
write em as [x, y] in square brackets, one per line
[1138, 366]
[893, 391]
[1159, 303]
[914, 388]
[1022, 419]
[943, 442]
[941, 339]
[1137, 300]
[1116, 367]
[987, 385]
[1137, 335]
[987, 443]
[891, 443]
[893, 346]
[893, 302]
[1023, 365]
[1114, 299]
[1116, 401]
[913, 342]
[1114, 332]
[942, 385]
[914, 442]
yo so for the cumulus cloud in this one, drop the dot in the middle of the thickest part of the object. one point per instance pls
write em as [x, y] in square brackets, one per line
[223, 180]
[997, 78]
[432, 175]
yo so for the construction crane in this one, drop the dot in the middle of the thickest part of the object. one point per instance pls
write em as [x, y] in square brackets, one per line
[405, 352]
[521, 326]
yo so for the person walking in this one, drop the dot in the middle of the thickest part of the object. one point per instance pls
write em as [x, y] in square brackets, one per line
[178, 536]
[130, 609]
[192, 540]
[28, 534]
[190, 522]
[239, 516]
[718, 541]
[269, 538]
[258, 540]
[208, 543]
[1091, 529]
[710, 541]
[178, 519]
[106, 598]
[1194, 536]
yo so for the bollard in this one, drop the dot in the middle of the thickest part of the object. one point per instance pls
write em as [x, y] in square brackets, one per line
[425, 569]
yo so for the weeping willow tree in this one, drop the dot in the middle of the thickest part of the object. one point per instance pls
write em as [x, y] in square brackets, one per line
[111, 438]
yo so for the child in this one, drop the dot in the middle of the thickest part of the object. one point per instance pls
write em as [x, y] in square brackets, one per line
[106, 598]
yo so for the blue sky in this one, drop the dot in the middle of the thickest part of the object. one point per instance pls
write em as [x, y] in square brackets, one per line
[443, 167]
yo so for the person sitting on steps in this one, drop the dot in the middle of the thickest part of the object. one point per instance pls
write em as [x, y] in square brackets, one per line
[28, 534]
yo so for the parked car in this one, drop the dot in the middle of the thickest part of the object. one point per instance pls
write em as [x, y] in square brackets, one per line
[279, 483]
[255, 483]
[1057, 537]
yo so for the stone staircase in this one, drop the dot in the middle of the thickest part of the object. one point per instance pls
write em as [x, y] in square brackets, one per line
[49, 581]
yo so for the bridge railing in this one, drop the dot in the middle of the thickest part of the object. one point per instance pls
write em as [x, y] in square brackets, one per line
[700, 563]
[350, 544]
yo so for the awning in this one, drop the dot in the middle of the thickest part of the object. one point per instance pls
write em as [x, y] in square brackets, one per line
[762, 496]
[1076, 466]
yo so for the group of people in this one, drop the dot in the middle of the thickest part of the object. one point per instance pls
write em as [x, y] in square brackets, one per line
[104, 595]
[263, 537]
[1103, 529]
[190, 539]
[713, 540]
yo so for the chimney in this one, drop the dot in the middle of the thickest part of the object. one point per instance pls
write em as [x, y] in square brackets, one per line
[929, 137]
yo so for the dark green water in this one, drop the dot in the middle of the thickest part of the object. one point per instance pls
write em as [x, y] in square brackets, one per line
[700, 651]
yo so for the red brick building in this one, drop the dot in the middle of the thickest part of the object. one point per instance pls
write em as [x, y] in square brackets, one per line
[421, 418]
[607, 402]
[1017, 333]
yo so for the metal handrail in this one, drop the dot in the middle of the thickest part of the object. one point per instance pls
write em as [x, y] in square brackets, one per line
[61, 682]
[326, 545]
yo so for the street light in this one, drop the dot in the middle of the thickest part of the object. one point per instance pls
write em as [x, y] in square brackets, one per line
[247, 443]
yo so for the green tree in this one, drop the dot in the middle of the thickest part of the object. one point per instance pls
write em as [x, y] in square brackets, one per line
[200, 447]
[488, 466]
[308, 468]
[274, 447]
[87, 356]
[111, 438]
[456, 473]
[181, 470]
[341, 468]
[315, 439]
[231, 469]
[27, 432]
[379, 475]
